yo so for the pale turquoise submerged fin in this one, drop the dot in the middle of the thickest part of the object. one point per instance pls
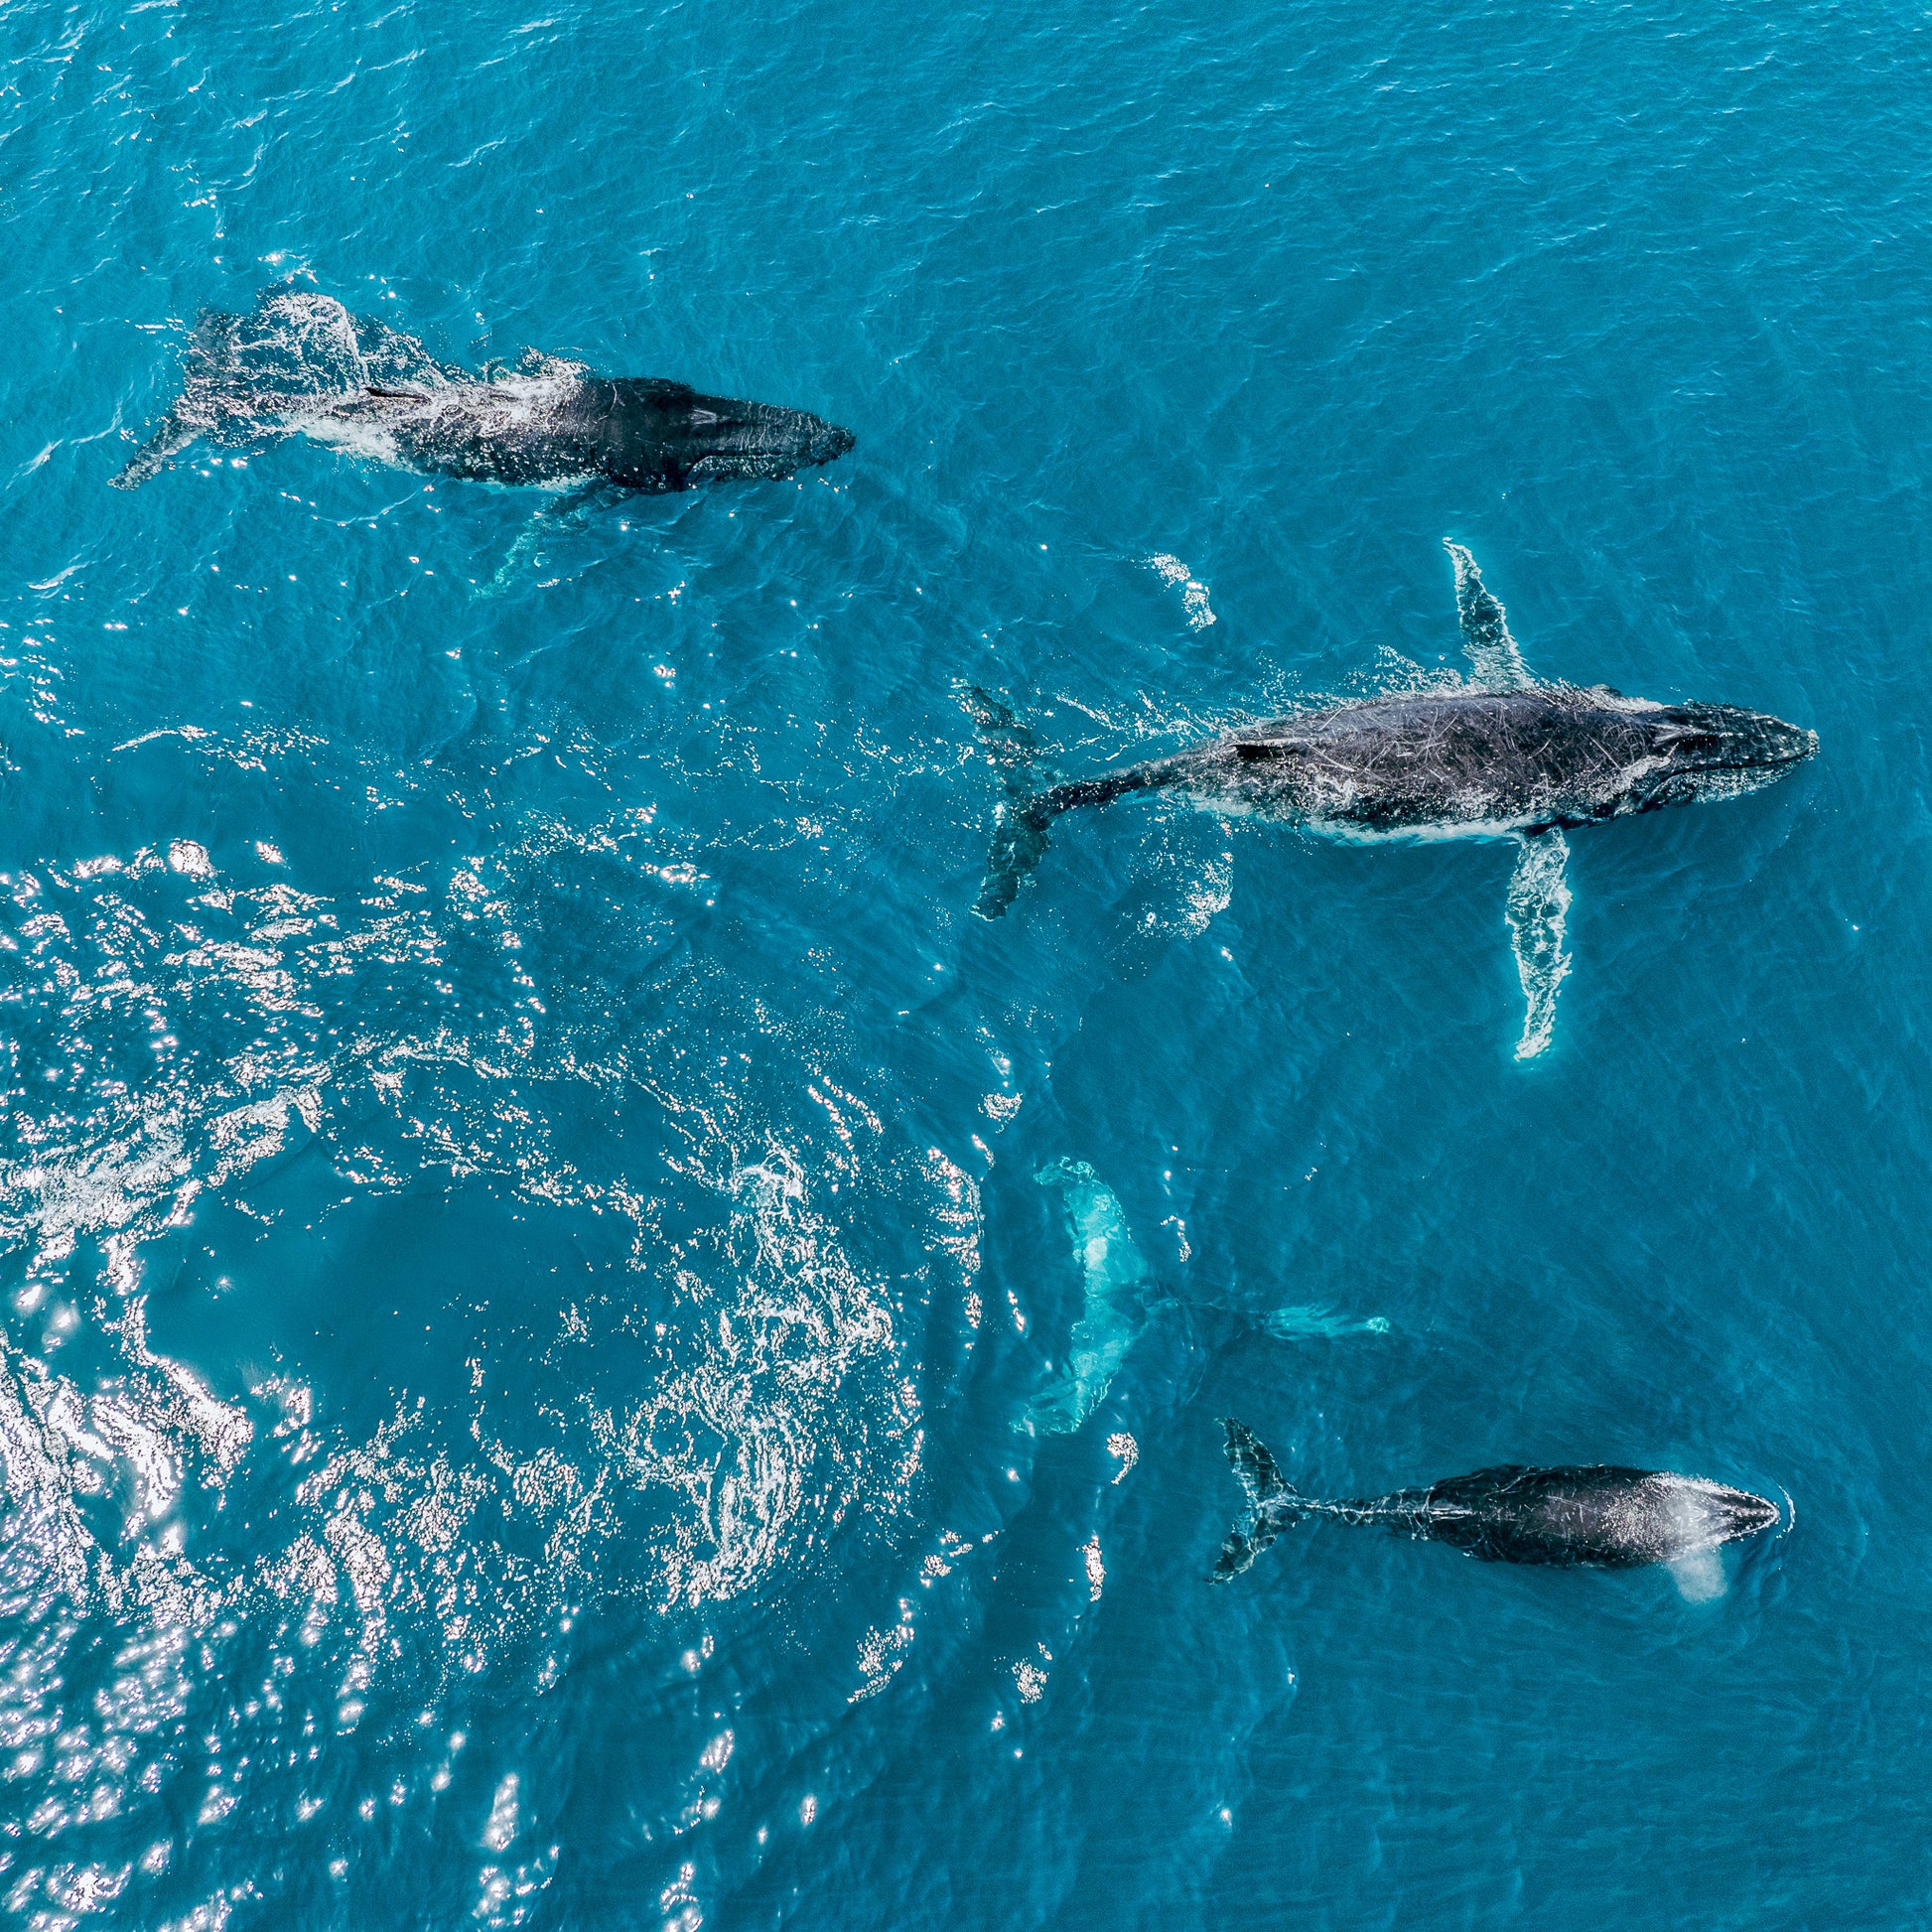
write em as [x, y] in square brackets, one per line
[1539, 903]
[1116, 1278]
[1313, 1319]
[526, 553]
[1494, 661]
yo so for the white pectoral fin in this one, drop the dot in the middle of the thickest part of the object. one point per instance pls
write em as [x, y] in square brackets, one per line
[1539, 902]
[1493, 657]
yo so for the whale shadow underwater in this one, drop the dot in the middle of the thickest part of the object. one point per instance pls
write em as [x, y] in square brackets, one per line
[1498, 757]
[301, 365]
[1593, 1516]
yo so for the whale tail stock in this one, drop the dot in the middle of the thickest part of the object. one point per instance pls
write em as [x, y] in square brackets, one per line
[1020, 836]
[1272, 1502]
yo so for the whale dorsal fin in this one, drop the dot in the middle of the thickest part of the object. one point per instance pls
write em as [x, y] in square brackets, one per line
[1497, 663]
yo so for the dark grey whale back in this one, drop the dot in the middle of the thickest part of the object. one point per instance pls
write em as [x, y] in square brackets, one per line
[1599, 1516]
[301, 364]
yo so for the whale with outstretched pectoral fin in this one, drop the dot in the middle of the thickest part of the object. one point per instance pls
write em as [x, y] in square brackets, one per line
[1499, 755]
[1594, 1516]
[301, 365]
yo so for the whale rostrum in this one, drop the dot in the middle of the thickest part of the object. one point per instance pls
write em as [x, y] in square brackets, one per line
[1590, 1516]
[302, 365]
[1497, 757]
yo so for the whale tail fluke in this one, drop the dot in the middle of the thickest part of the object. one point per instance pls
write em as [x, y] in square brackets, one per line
[1020, 837]
[1018, 841]
[1270, 1500]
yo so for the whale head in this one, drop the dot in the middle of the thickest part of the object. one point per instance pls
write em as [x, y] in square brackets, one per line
[1703, 752]
[1689, 1514]
[664, 436]
[760, 439]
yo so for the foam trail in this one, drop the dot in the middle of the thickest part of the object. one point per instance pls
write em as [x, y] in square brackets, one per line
[246, 380]
[1193, 592]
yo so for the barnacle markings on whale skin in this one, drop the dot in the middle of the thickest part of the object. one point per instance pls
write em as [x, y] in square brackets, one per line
[1497, 757]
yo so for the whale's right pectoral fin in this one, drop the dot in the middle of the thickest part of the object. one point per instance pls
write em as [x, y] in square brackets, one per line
[1539, 903]
[154, 455]
[1494, 658]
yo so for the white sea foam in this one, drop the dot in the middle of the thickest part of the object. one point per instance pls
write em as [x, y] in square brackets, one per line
[1699, 1576]
[1193, 592]
[301, 364]
[781, 1409]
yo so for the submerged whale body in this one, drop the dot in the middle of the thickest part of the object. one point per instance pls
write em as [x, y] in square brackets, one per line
[302, 365]
[1500, 756]
[1594, 1516]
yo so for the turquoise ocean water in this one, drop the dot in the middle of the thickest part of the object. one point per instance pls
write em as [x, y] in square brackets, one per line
[583, 1346]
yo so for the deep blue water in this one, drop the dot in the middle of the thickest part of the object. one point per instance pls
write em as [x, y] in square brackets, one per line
[543, 1239]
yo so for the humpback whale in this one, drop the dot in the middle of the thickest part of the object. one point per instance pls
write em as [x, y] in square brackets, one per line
[1498, 755]
[1596, 1516]
[301, 364]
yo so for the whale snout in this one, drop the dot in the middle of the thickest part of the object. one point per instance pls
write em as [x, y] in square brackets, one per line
[827, 442]
[784, 440]
[1701, 752]
[1774, 745]
[1724, 737]
[1739, 1514]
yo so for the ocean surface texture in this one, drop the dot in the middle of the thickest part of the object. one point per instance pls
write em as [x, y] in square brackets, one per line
[583, 1346]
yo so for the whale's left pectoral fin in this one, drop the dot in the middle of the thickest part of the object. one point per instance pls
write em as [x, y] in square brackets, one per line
[1493, 655]
[546, 520]
[1539, 903]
